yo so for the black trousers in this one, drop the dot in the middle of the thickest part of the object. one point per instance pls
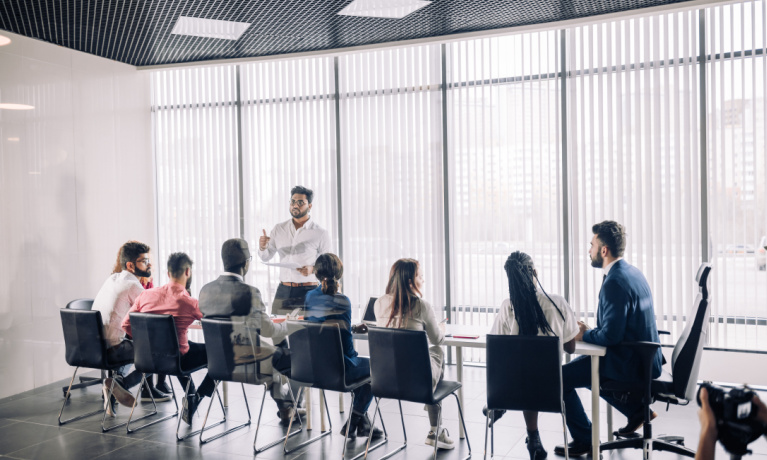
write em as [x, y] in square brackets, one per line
[196, 357]
[287, 299]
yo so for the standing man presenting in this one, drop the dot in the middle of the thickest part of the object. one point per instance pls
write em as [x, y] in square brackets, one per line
[625, 314]
[299, 241]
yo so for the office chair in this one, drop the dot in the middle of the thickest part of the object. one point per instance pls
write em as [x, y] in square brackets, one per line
[83, 304]
[677, 387]
[156, 351]
[223, 366]
[85, 347]
[524, 373]
[317, 360]
[400, 368]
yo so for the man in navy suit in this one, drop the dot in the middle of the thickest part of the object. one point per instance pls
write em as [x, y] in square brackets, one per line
[625, 314]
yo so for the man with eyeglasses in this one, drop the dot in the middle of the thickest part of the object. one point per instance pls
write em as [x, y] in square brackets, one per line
[229, 297]
[298, 241]
[114, 299]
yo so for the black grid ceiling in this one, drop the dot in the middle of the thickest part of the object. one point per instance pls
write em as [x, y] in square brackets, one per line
[137, 32]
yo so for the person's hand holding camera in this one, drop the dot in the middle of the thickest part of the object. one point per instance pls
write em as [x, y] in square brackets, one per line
[708, 433]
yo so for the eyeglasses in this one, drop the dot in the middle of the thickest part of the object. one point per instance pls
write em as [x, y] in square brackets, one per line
[300, 203]
[144, 261]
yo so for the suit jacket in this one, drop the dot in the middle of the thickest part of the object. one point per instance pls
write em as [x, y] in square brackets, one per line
[228, 297]
[625, 314]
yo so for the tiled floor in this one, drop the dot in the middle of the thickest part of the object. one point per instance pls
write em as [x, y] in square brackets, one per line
[29, 429]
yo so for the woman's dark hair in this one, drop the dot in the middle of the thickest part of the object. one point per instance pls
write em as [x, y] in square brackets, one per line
[328, 269]
[403, 290]
[524, 301]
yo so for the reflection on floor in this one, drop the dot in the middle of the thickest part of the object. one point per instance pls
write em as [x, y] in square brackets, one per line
[29, 430]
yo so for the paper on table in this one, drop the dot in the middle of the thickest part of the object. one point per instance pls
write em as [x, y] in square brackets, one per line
[291, 265]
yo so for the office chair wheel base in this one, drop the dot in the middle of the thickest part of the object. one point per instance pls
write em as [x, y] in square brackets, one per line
[633, 435]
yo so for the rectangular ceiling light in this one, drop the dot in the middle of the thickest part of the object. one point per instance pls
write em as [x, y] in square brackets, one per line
[209, 28]
[394, 9]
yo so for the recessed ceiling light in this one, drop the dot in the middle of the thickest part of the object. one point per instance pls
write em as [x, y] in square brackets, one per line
[394, 9]
[209, 28]
[16, 107]
[4, 40]
[13, 139]
[35, 173]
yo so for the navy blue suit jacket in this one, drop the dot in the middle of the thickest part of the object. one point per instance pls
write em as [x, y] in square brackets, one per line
[625, 314]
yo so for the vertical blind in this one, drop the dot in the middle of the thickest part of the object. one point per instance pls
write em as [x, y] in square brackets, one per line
[195, 143]
[504, 167]
[288, 137]
[391, 162]
[626, 110]
[736, 123]
[633, 145]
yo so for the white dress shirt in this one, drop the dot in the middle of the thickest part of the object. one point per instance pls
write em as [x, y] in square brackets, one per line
[114, 299]
[606, 270]
[301, 246]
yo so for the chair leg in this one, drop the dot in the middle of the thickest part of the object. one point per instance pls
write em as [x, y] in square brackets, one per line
[463, 424]
[436, 433]
[487, 428]
[185, 404]
[258, 450]
[370, 436]
[104, 428]
[564, 432]
[368, 447]
[154, 411]
[66, 398]
[309, 441]
[349, 427]
[205, 421]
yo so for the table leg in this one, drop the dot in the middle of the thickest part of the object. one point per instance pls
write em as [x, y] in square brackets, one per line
[341, 402]
[609, 422]
[308, 398]
[226, 394]
[322, 411]
[594, 407]
[459, 359]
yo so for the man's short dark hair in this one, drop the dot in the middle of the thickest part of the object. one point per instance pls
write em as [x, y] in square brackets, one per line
[301, 190]
[234, 254]
[130, 252]
[178, 262]
[611, 234]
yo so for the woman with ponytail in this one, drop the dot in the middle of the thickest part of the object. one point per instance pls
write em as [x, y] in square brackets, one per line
[326, 304]
[529, 310]
[403, 308]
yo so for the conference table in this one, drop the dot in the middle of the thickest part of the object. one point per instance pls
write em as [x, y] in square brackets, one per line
[456, 337]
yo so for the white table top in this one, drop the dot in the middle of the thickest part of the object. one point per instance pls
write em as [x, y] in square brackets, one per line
[581, 348]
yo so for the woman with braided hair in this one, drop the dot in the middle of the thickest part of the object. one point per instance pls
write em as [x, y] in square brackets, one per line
[529, 310]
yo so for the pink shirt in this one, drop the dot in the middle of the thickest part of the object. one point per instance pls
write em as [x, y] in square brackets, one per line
[171, 299]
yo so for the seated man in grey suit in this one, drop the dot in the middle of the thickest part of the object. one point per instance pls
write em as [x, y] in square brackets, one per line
[230, 297]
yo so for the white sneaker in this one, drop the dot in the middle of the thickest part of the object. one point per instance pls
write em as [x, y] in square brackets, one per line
[443, 442]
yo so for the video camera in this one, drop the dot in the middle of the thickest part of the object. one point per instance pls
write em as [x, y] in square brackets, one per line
[735, 414]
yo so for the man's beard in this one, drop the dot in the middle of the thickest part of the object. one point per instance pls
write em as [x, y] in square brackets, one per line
[141, 273]
[300, 214]
[598, 262]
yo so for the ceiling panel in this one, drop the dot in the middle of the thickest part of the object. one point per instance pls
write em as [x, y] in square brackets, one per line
[138, 32]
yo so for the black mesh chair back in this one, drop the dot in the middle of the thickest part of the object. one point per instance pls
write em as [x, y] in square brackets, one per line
[685, 361]
[84, 339]
[155, 344]
[232, 358]
[317, 357]
[400, 367]
[80, 304]
[524, 373]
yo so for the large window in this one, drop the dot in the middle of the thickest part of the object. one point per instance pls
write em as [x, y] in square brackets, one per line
[457, 154]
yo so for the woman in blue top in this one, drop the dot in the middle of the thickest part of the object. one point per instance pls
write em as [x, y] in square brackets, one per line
[326, 303]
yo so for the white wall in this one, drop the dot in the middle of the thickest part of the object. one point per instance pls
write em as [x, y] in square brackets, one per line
[76, 181]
